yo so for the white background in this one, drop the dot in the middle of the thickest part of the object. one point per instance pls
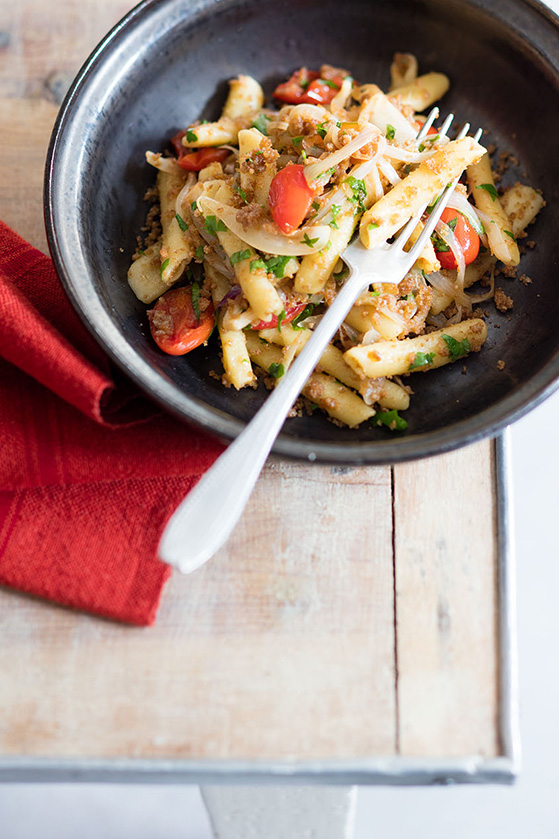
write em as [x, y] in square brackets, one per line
[529, 809]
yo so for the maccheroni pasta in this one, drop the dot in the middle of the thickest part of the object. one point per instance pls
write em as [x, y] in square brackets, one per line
[252, 214]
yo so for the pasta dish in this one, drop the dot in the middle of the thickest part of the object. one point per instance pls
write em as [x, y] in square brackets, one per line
[251, 215]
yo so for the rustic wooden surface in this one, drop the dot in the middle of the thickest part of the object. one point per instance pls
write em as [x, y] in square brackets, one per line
[352, 614]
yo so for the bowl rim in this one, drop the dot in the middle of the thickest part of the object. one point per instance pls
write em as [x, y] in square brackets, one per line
[487, 423]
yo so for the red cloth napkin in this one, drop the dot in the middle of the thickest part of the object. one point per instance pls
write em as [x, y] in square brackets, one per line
[90, 471]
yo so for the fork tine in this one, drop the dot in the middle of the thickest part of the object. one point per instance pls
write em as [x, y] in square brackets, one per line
[432, 116]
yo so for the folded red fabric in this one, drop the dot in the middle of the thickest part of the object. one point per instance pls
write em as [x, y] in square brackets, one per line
[89, 469]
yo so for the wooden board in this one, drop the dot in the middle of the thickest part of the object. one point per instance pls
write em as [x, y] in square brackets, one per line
[353, 613]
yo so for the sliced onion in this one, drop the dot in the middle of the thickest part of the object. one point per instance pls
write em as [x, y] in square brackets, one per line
[407, 156]
[460, 202]
[315, 170]
[263, 239]
[448, 237]
[447, 287]
[370, 336]
[389, 171]
[190, 181]
[339, 100]
[349, 337]
[334, 196]
[233, 292]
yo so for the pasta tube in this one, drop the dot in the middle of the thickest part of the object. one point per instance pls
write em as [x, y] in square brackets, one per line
[422, 92]
[502, 242]
[144, 275]
[176, 247]
[394, 358]
[257, 164]
[521, 203]
[420, 187]
[244, 99]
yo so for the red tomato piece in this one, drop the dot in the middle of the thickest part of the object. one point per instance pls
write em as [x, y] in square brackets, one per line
[466, 237]
[322, 91]
[290, 314]
[293, 90]
[174, 326]
[196, 160]
[290, 197]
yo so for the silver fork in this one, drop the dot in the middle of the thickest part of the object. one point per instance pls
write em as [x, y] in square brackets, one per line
[203, 522]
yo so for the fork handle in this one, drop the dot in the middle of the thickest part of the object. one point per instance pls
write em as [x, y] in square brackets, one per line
[206, 517]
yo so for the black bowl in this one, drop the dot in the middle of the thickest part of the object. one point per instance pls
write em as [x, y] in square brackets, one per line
[167, 63]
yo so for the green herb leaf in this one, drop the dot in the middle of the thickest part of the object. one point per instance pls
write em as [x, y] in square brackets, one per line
[457, 349]
[359, 192]
[328, 172]
[490, 189]
[309, 242]
[421, 147]
[240, 191]
[512, 236]
[304, 155]
[331, 84]
[163, 266]
[390, 132]
[438, 244]
[196, 300]
[238, 256]
[391, 420]
[213, 224]
[277, 264]
[191, 137]
[343, 272]
[181, 223]
[200, 253]
[297, 140]
[372, 225]
[307, 312]
[321, 130]
[140, 253]
[316, 206]
[452, 223]
[261, 123]
[335, 209]
[276, 370]
[421, 359]
[281, 318]
[258, 263]
[193, 206]
[407, 169]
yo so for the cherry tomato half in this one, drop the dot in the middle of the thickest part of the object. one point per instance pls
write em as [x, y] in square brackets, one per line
[174, 326]
[291, 313]
[466, 236]
[196, 160]
[290, 197]
[293, 90]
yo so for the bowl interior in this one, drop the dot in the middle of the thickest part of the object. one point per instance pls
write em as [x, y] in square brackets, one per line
[168, 65]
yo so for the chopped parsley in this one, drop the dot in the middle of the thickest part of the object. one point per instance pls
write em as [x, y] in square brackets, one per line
[200, 253]
[335, 209]
[392, 420]
[276, 370]
[321, 130]
[140, 253]
[328, 172]
[281, 318]
[390, 132]
[359, 192]
[489, 188]
[343, 272]
[307, 311]
[421, 147]
[238, 256]
[240, 191]
[315, 206]
[372, 225]
[452, 223]
[163, 266]
[512, 236]
[297, 140]
[421, 359]
[407, 169]
[456, 349]
[261, 123]
[438, 244]
[304, 155]
[309, 242]
[196, 300]
[277, 264]
[193, 206]
[258, 263]
[213, 225]
[191, 137]
[181, 223]
[331, 84]
[432, 206]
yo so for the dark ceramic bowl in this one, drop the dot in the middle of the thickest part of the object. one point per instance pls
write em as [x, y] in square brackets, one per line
[166, 64]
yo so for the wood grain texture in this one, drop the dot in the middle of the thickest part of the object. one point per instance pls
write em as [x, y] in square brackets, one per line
[284, 645]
